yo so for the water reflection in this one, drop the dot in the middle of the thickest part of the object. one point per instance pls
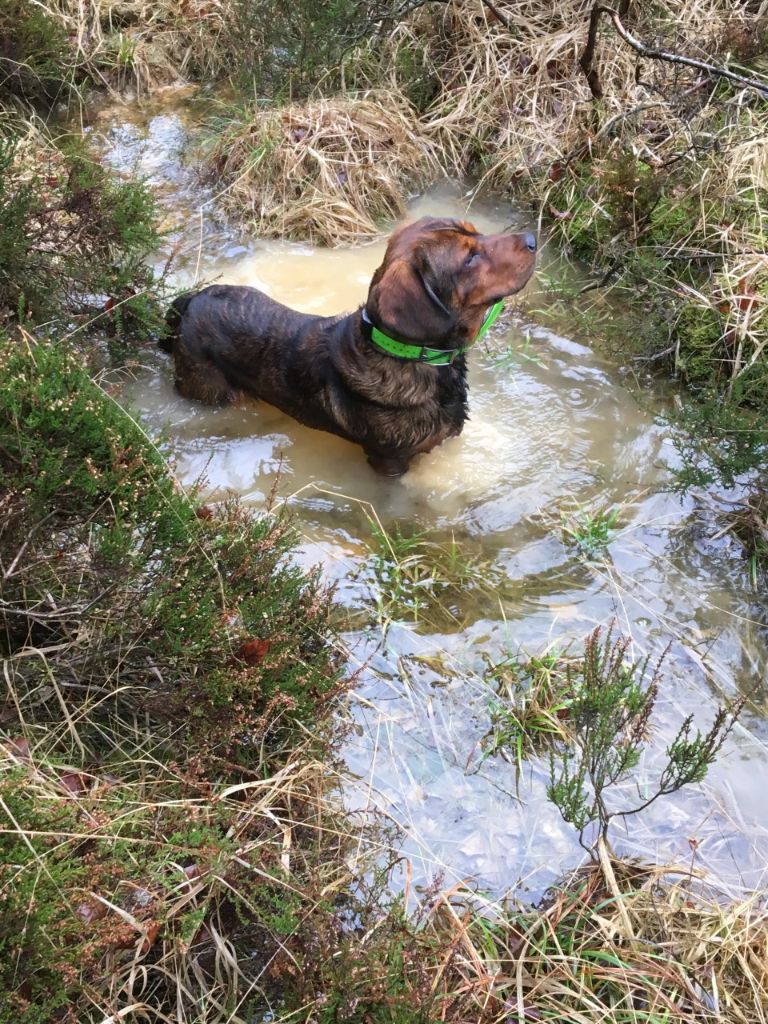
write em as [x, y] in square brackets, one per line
[551, 425]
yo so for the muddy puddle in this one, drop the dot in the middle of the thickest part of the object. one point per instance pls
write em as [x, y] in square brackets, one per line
[552, 428]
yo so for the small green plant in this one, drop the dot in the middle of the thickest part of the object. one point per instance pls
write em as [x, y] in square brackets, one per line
[589, 531]
[531, 706]
[511, 354]
[717, 442]
[415, 577]
[610, 715]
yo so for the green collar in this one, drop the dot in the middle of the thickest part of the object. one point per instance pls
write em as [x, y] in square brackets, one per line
[433, 356]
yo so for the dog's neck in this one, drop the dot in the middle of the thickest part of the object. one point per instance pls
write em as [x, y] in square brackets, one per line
[434, 352]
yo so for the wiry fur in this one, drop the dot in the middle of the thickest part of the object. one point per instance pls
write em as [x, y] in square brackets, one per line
[325, 372]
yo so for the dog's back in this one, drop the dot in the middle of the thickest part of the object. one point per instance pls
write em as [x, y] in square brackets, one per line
[232, 339]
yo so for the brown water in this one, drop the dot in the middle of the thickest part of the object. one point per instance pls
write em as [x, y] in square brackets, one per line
[552, 426]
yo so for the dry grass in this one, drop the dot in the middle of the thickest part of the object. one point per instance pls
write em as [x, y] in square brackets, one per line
[163, 889]
[514, 95]
[747, 521]
[614, 943]
[142, 45]
[208, 903]
[331, 170]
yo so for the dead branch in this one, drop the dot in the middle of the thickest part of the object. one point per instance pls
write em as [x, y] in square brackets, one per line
[387, 16]
[586, 61]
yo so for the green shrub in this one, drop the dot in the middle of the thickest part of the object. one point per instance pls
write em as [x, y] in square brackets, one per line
[74, 241]
[609, 714]
[225, 618]
[156, 652]
[34, 55]
[285, 50]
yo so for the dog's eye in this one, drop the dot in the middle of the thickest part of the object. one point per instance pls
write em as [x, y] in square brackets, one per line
[471, 259]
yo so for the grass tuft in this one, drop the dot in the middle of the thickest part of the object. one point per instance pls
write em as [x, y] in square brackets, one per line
[331, 170]
[530, 708]
[590, 531]
[423, 581]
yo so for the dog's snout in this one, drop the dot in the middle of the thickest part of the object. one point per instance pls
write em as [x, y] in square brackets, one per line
[530, 241]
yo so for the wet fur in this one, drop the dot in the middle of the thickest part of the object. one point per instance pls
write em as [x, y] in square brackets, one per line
[229, 341]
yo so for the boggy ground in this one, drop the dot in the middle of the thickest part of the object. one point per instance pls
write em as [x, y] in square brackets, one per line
[637, 134]
[173, 846]
[172, 842]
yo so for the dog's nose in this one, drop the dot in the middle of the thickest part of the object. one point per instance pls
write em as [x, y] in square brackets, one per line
[530, 242]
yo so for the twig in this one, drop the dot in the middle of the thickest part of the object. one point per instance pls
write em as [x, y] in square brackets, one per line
[613, 266]
[406, 8]
[498, 14]
[7, 573]
[656, 355]
[58, 614]
[586, 61]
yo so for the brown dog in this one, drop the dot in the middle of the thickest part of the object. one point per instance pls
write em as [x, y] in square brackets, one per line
[390, 377]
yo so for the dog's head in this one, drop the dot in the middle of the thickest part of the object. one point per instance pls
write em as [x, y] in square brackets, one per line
[439, 277]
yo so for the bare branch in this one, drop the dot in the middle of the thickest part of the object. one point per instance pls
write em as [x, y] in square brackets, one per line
[586, 61]
[497, 13]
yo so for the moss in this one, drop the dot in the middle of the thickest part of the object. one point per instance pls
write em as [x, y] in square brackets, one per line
[698, 335]
[34, 922]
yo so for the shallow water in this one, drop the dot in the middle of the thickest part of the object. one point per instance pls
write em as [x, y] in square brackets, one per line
[552, 426]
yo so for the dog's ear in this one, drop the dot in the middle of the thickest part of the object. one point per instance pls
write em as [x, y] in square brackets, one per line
[405, 298]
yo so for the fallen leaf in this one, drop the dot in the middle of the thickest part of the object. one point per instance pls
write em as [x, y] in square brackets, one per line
[560, 214]
[90, 912]
[150, 936]
[20, 747]
[253, 651]
[746, 296]
[75, 782]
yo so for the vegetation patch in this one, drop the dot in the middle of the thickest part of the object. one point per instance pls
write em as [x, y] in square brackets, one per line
[162, 662]
[122, 45]
[330, 170]
[592, 714]
[416, 579]
[74, 242]
[610, 714]
[680, 238]
[747, 521]
[34, 53]
[590, 531]
[530, 707]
